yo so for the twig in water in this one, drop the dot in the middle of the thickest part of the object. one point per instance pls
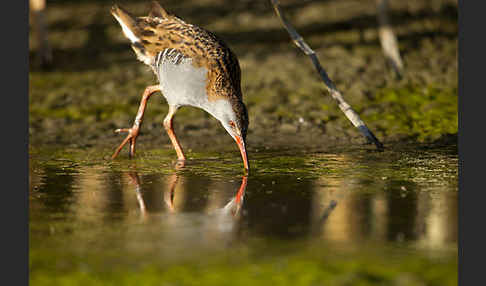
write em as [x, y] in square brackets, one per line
[331, 87]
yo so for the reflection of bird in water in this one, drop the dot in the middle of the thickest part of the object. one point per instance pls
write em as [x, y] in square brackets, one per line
[219, 221]
[235, 204]
[194, 68]
[227, 215]
[231, 208]
[135, 179]
[169, 193]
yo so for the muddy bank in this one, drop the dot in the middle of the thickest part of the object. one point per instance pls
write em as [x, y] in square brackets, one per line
[95, 82]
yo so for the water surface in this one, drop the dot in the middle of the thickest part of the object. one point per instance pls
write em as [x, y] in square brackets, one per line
[92, 215]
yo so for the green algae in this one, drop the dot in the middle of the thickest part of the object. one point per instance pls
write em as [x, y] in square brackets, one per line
[419, 163]
[308, 266]
[424, 112]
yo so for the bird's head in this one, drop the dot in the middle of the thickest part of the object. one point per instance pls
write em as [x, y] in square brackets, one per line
[233, 116]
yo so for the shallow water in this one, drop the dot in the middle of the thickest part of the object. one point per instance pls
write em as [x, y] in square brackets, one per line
[86, 210]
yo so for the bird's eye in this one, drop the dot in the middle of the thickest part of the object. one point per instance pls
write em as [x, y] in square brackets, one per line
[232, 124]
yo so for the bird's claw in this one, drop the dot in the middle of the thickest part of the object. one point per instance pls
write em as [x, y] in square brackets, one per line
[131, 137]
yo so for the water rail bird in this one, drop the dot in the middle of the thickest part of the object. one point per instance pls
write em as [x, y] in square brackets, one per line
[193, 67]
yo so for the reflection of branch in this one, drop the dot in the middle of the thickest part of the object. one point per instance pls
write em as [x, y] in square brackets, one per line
[336, 95]
[325, 214]
[327, 211]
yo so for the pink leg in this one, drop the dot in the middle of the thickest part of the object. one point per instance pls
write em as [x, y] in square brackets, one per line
[170, 132]
[133, 132]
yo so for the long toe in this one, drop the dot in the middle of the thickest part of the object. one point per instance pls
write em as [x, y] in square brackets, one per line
[131, 137]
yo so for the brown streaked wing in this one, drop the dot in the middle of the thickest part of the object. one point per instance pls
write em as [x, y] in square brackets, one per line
[202, 46]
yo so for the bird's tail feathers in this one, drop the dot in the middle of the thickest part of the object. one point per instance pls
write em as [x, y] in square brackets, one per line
[127, 22]
[157, 11]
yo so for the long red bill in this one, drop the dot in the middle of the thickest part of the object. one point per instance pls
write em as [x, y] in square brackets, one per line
[241, 145]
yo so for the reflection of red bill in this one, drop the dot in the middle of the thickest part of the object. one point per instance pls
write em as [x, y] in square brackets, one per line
[239, 196]
[241, 191]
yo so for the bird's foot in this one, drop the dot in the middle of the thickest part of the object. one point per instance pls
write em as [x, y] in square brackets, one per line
[131, 137]
[180, 163]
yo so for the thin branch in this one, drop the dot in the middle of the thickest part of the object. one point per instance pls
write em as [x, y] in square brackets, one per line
[388, 40]
[331, 87]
